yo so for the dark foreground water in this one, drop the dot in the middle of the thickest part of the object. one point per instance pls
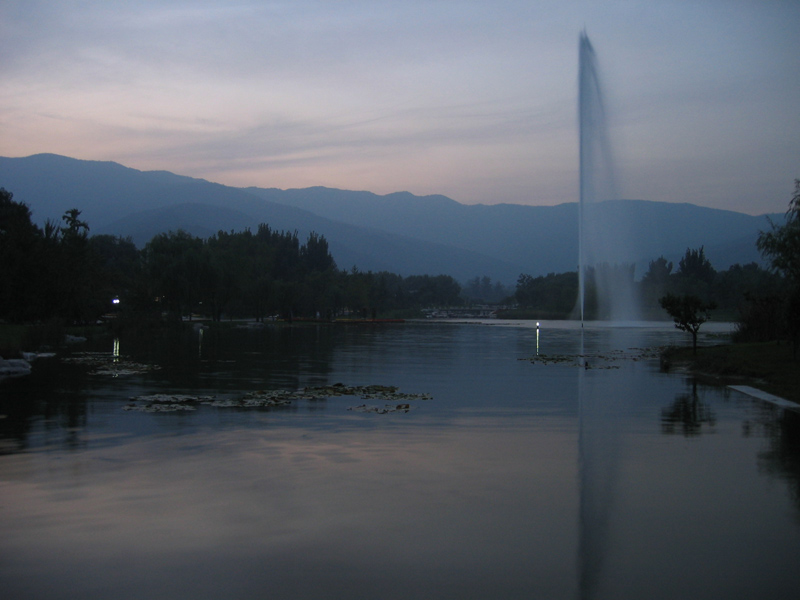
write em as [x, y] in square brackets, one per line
[518, 478]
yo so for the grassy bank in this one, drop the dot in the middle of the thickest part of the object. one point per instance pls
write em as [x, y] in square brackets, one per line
[767, 366]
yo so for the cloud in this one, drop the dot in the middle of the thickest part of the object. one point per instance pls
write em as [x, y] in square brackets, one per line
[472, 100]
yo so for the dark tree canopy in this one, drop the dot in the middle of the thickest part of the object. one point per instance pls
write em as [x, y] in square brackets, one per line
[46, 273]
[658, 272]
[688, 312]
[782, 244]
[61, 273]
[694, 265]
[553, 294]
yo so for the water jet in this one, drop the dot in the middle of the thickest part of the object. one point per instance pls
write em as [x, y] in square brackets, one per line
[603, 275]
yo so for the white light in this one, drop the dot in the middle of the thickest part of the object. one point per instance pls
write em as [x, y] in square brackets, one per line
[115, 301]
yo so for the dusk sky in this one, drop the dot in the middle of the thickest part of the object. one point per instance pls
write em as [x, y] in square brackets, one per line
[473, 100]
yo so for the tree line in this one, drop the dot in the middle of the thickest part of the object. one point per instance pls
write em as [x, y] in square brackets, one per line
[61, 272]
[765, 303]
[730, 290]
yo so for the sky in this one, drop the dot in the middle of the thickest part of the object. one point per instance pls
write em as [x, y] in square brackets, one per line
[471, 99]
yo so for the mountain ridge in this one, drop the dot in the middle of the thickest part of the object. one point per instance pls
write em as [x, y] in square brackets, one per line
[398, 232]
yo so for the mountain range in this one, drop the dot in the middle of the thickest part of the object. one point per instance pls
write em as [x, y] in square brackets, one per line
[399, 232]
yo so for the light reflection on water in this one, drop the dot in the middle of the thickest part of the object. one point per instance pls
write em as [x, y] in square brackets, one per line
[355, 514]
[477, 493]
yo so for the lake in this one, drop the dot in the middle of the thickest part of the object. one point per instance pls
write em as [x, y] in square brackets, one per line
[509, 462]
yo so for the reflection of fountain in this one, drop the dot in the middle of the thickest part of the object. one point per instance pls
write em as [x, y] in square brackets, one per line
[603, 406]
[598, 443]
[603, 278]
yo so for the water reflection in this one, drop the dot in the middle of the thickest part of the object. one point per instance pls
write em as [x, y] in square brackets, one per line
[50, 406]
[687, 414]
[299, 514]
[490, 489]
[781, 458]
[600, 436]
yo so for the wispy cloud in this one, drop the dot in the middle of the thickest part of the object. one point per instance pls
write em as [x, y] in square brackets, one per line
[468, 99]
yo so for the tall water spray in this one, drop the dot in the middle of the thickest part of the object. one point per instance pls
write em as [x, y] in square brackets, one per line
[607, 281]
[602, 250]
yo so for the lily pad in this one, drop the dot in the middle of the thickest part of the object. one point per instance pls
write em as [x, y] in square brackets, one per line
[595, 361]
[106, 364]
[394, 399]
[381, 410]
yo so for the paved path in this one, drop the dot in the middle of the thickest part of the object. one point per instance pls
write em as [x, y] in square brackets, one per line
[761, 395]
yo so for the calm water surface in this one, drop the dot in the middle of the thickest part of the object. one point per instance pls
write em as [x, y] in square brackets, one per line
[524, 476]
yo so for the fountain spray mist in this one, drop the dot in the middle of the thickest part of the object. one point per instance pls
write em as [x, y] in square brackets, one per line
[601, 255]
[608, 283]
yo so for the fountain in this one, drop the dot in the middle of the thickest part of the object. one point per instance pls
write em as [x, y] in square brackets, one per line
[603, 277]
[608, 284]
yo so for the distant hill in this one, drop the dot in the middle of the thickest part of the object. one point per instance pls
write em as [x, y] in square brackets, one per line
[397, 232]
[543, 238]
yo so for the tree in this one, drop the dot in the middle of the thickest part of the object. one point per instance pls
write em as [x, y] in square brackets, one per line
[552, 295]
[689, 313]
[75, 227]
[782, 246]
[76, 271]
[174, 266]
[314, 254]
[695, 265]
[482, 290]
[22, 262]
[656, 280]
[658, 272]
[118, 270]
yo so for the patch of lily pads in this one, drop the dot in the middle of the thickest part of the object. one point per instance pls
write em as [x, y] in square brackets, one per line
[381, 410]
[605, 360]
[393, 399]
[106, 364]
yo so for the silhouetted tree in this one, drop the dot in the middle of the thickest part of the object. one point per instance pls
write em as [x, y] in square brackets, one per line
[481, 289]
[762, 318]
[172, 268]
[656, 281]
[118, 263]
[21, 262]
[695, 265]
[688, 312]
[553, 294]
[77, 271]
[314, 254]
[695, 275]
[782, 246]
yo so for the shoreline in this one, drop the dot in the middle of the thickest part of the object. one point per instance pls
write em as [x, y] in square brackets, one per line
[764, 370]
